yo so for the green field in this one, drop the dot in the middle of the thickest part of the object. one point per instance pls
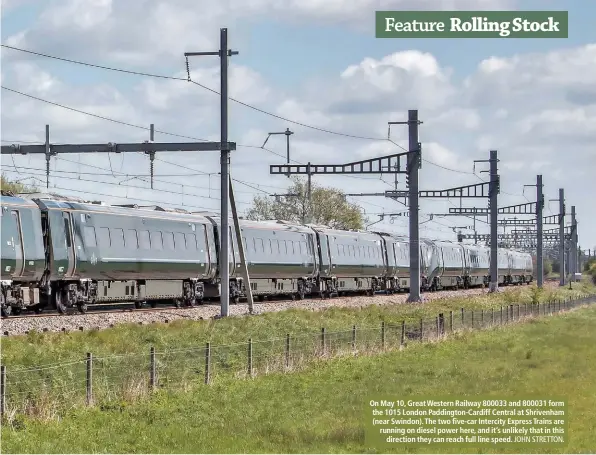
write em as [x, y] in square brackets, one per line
[320, 409]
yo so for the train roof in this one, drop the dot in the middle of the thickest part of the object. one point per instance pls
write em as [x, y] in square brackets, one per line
[17, 200]
[129, 210]
[278, 225]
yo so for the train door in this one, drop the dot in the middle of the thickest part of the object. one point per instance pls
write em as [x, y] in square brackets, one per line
[325, 255]
[70, 248]
[17, 244]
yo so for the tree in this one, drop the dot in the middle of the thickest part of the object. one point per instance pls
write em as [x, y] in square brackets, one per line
[329, 207]
[548, 267]
[15, 187]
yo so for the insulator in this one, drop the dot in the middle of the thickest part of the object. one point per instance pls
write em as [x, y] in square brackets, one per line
[151, 170]
[187, 69]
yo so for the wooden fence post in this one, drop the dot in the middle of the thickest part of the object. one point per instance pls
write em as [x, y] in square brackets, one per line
[403, 333]
[152, 368]
[250, 356]
[288, 350]
[207, 363]
[323, 341]
[2, 390]
[383, 334]
[421, 329]
[354, 337]
[89, 378]
[451, 321]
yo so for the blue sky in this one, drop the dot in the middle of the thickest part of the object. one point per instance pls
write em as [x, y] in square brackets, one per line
[536, 101]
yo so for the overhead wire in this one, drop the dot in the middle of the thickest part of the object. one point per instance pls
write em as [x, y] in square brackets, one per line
[198, 139]
[188, 79]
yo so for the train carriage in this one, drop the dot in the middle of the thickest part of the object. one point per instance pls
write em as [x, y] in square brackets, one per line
[108, 254]
[477, 264]
[22, 255]
[281, 258]
[350, 260]
[449, 265]
[397, 260]
[503, 270]
[519, 263]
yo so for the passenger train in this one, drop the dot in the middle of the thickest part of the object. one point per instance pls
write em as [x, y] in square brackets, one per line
[63, 254]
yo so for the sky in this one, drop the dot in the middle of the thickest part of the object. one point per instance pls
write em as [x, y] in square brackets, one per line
[311, 62]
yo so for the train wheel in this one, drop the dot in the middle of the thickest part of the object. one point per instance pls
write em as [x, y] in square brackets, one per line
[82, 307]
[261, 298]
[60, 305]
[178, 303]
[153, 304]
[5, 310]
[236, 300]
[138, 305]
[38, 309]
[16, 311]
[191, 303]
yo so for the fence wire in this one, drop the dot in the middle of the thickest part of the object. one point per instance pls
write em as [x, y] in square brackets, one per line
[48, 390]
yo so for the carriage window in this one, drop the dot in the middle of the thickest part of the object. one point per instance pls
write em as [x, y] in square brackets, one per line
[130, 239]
[117, 237]
[144, 242]
[156, 240]
[66, 231]
[89, 234]
[191, 242]
[270, 244]
[303, 248]
[168, 240]
[262, 245]
[104, 237]
[179, 241]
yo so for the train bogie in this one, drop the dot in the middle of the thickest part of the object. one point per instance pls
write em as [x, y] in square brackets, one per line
[22, 255]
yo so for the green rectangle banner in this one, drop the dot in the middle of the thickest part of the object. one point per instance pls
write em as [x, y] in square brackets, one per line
[471, 24]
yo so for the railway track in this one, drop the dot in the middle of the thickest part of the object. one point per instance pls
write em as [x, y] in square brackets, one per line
[104, 318]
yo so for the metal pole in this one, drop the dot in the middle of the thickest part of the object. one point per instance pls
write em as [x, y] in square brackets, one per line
[539, 239]
[224, 261]
[475, 233]
[241, 251]
[494, 272]
[48, 155]
[151, 154]
[562, 237]
[309, 195]
[573, 248]
[287, 133]
[413, 167]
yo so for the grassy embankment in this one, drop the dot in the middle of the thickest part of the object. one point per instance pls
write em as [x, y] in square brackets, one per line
[45, 348]
[320, 409]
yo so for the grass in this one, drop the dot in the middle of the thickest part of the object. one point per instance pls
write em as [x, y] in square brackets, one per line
[320, 409]
[38, 348]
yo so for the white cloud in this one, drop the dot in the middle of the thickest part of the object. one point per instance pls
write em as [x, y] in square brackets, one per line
[537, 109]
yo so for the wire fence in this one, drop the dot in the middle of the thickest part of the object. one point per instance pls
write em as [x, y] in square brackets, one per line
[45, 391]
